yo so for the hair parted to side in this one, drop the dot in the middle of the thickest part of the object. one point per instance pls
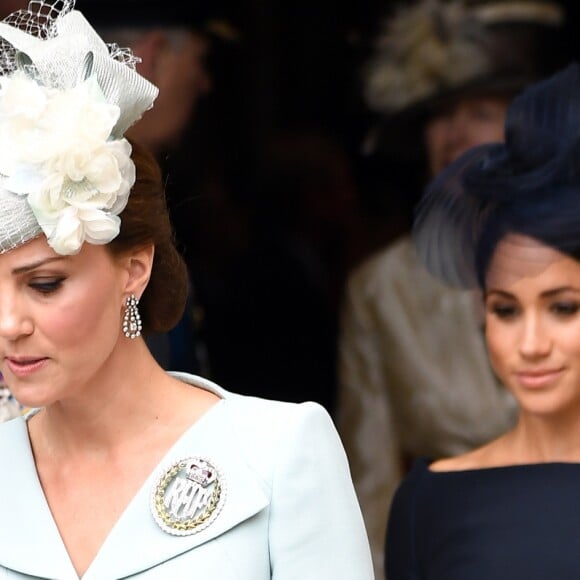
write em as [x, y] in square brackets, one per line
[145, 220]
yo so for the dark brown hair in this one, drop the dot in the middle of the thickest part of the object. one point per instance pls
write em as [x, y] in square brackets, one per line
[145, 220]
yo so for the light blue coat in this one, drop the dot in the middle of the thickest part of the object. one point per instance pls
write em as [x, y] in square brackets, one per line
[290, 511]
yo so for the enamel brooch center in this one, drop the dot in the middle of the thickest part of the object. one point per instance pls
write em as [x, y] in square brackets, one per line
[188, 496]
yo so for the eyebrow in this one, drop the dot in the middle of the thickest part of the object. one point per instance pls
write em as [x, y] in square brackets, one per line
[34, 265]
[545, 294]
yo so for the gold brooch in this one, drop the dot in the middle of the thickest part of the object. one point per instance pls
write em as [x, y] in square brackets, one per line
[188, 496]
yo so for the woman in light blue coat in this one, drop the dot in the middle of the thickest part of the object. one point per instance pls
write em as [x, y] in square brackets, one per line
[122, 470]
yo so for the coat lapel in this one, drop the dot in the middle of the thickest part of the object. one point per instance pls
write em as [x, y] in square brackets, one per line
[31, 544]
[137, 542]
[29, 539]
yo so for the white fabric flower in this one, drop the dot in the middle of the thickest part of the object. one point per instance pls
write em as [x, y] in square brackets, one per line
[56, 148]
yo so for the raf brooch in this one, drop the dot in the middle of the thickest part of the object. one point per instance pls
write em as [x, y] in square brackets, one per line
[188, 496]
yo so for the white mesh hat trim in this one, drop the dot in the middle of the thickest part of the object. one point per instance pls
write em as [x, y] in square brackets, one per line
[60, 64]
[18, 224]
[56, 41]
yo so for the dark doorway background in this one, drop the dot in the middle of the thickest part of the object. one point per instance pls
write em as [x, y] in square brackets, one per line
[269, 262]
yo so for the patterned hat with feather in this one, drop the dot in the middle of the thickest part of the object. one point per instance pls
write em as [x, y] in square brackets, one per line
[435, 51]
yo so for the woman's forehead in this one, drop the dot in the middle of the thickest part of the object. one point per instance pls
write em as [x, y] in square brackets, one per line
[38, 251]
[518, 257]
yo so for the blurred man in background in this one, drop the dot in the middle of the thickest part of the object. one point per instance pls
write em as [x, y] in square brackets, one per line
[173, 43]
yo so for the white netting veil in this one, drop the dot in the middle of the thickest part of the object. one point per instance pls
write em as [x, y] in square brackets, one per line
[66, 100]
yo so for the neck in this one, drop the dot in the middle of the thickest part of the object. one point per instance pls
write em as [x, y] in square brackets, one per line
[129, 395]
[540, 439]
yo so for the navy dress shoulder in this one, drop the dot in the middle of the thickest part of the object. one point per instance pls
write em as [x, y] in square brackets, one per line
[502, 523]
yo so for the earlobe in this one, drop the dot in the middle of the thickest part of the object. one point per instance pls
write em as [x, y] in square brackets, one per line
[139, 264]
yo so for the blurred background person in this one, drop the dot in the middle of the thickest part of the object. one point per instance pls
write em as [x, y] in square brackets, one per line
[9, 407]
[414, 375]
[174, 44]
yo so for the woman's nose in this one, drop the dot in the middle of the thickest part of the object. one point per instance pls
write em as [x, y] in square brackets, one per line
[535, 341]
[15, 322]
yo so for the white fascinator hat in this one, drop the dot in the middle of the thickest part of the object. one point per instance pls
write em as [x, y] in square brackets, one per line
[66, 100]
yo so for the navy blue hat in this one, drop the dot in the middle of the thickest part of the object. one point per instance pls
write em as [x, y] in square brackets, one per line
[529, 185]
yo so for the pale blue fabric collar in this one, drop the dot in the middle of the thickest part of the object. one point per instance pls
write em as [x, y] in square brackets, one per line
[30, 540]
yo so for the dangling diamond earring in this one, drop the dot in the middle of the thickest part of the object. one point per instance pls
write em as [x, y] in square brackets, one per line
[132, 321]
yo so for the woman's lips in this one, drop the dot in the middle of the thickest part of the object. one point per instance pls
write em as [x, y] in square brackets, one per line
[22, 367]
[537, 379]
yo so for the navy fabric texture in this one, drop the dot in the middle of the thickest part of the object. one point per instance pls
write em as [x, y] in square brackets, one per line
[503, 523]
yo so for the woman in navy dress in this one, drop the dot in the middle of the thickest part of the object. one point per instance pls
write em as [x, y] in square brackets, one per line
[506, 218]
